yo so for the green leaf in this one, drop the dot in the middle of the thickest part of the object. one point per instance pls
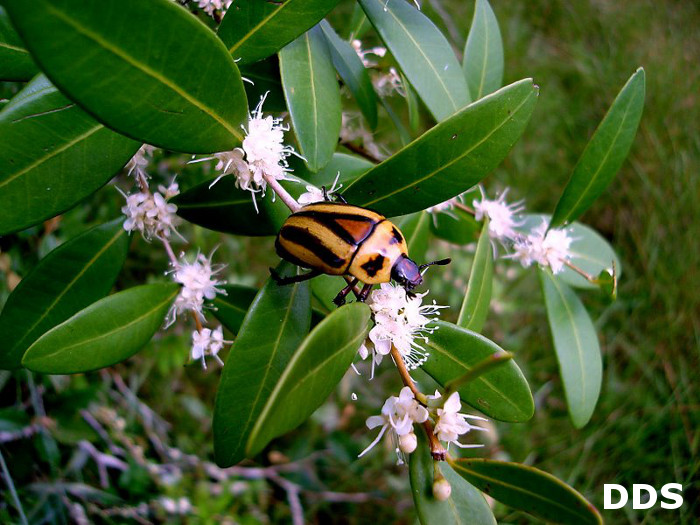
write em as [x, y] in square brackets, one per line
[416, 229]
[475, 306]
[313, 96]
[528, 489]
[180, 90]
[17, 63]
[267, 83]
[353, 72]
[502, 393]
[483, 52]
[253, 30]
[604, 154]
[53, 155]
[324, 288]
[423, 53]
[450, 158]
[275, 325]
[71, 277]
[349, 166]
[577, 348]
[106, 332]
[313, 373]
[466, 504]
[455, 226]
[230, 309]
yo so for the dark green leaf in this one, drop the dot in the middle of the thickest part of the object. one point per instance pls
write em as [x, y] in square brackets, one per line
[313, 96]
[528, 489]
[349, 166]
[359, 25]
[231, 308]
[265, 76]
[53, 155]
[604, 154]
[483, 53]
[180, 90]
[475, 307]
[416, 229]
[106, 332]
[253, 30]
[276, 323]
[16, 62]
[424, 54]
[324, 288]
[576, 344]
[353, 72]
[450, 158]
[68, 279]
[502, 393]
[455, 226]
[466, 505]
[313, 373]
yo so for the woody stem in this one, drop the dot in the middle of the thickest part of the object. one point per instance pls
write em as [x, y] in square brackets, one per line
[283, 194]
[464, 207]
[578, 270]
[197, 321]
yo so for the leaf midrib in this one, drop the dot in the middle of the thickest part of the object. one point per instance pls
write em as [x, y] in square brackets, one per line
[257, 27]
[13, 48]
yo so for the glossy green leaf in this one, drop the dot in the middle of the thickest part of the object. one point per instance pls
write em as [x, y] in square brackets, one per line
[253, 30]
[423, 53]
[466, 504]
[528, 489]
[604, 153]
[353, 72]
[313, 373]
[71, 277]
[475, 306]
[502, 393]
[275, 325]
[53, 155]
[359, 25]
[266, 82]
[324, 288]
[483, 52]
[451, 157]
[313, 96]
[106, 332]
[577, 348]
[180, 91]
[15, 61]
[348, 166]
[230, 309]
[416, 231]
[455, 226]
[589, 252]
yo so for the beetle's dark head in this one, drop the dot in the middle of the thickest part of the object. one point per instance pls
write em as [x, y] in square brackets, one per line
[408, 274]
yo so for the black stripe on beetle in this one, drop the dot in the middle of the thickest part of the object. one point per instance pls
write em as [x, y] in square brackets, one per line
[396, 236]
[307, 240]
[330, 221]
[373, 265]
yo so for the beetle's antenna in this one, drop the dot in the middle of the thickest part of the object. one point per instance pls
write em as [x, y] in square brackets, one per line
[442, 262]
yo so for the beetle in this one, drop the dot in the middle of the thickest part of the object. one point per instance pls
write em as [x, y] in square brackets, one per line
[337, 238]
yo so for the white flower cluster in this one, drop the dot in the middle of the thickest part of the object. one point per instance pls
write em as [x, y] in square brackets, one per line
[388, 83]
[207, 342]
[212, 7]
[546, 248]
[502, 216]
[450, 423]
[151, 213]
[138, 163]
[364, 54]
[399, 320]
[199, 282]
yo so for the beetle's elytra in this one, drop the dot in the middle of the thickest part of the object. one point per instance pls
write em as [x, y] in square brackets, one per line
[337, 238]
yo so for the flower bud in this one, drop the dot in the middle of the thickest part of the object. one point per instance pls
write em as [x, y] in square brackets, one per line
[442, 489]
[408, 443]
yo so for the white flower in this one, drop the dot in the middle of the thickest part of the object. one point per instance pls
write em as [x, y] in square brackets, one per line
[502, 221]
[314, 194]
[445, 207]
[198, 280]
[399, 320]
[399, 414]
[363, 53]
[140, 160]
[211, 7]
[450, 423]
[207, 342]
[151, 214]
[546, 248]
[388, 83]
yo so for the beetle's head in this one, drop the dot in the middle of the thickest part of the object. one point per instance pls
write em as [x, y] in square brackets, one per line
[409, 275]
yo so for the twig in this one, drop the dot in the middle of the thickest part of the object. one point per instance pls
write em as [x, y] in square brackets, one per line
[13, 491]
[362, 152]
[283, 194]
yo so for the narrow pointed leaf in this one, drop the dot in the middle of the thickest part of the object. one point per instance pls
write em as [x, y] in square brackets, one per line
[466, 504]
[424, 54]
[16, 63]
[313, 373]
[457, 227]
[502, 393]
[344, 166]
[483, 52]
[604, 153]
[416, 230]
[475, 306]
[181, 91]
[359, 25]
[450, 158]
[71, 277]
[106, 332]
[528, 489]
[266, 82]
[253, 30]
[577, 348]
[275, 325]
[313, 96]
[353, 72]
[230, 309]
[53, 155]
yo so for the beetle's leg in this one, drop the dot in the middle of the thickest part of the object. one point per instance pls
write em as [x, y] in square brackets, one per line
[282, 281]
[340, 298]
[364, 293]
[340, 198]
[325, 194]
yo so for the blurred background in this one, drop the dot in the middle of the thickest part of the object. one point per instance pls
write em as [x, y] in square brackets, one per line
[58, 434]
